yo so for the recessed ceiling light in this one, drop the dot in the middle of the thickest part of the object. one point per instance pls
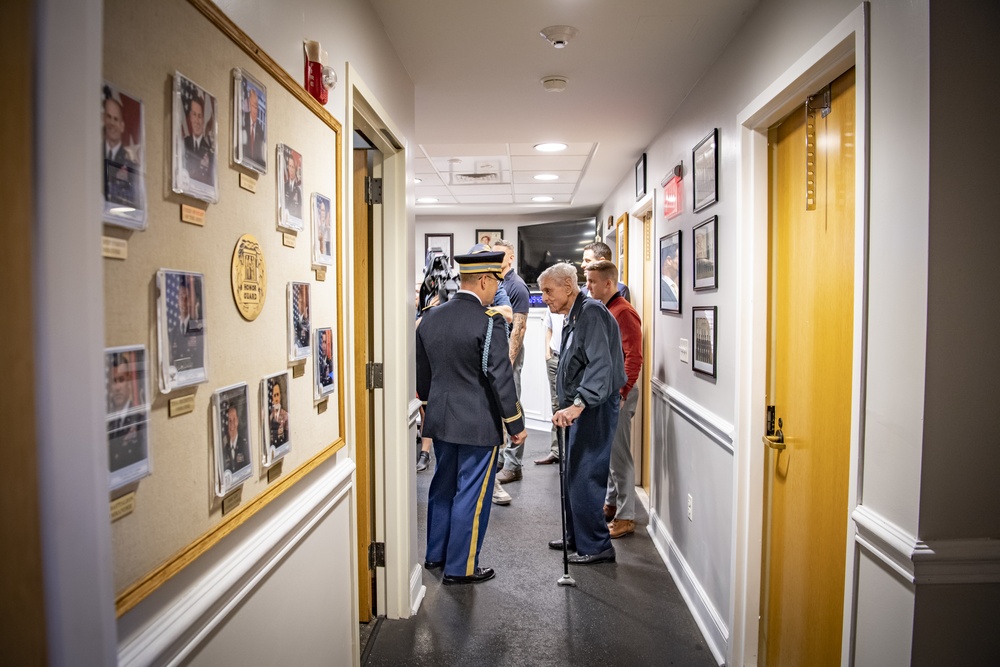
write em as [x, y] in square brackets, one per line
[541, 199]
[418, 180]
[546, 177]
[427, 200]
[551, 147]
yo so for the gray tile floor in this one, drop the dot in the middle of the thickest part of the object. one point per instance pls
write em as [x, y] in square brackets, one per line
[627, 613]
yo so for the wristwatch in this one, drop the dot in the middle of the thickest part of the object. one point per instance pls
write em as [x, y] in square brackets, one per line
[578, 402]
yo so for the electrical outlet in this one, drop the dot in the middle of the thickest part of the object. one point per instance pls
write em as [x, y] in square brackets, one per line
[684, 350]
[690, 508]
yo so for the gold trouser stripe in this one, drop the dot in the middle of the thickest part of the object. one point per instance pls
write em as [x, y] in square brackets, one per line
[470, 564]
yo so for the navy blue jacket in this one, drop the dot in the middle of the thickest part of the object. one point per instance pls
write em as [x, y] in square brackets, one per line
[468, 396]
[591, 363]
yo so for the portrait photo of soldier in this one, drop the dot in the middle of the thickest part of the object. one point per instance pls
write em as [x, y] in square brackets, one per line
[251, 97]
[299, 322]
[322, 231]
[274, 400]
[324, 362]
[195, 140]
[290, 188]
[182, 328]
[121, 150]
[233, 446]
[127, 414]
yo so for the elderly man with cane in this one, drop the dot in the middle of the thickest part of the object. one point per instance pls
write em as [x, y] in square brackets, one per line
[590, 374]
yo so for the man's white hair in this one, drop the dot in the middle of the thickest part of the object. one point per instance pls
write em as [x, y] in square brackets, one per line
[560, 273]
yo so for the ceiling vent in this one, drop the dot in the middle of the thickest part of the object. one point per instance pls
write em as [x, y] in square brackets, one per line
[558, 35]
[554, 84]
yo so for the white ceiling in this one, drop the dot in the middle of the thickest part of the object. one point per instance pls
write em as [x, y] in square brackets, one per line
[477, 66]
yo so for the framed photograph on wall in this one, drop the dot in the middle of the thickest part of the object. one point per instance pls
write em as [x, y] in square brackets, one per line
[706, 254]
[621, 247]
[299, 322]
[290, 214]
[441, 244]
[670, 272]
[249, 122]
[325, 376]
[274, 419]
[640, 178]
[322, 230]
[127, 390]
[124, 148]
[703, 333]
[488, 236]
[180, 328]
[233, 463]
[195, 140]
[705, 157]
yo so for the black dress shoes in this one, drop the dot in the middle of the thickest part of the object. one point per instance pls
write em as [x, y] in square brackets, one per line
[548, 460]
[481, 574]
[606, 556]
[433, 564]
[558, 545]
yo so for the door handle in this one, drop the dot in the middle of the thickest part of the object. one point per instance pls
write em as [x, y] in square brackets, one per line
[776, 441]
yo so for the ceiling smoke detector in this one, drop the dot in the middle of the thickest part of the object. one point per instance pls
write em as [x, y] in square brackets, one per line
[559, 35]
[554, 84]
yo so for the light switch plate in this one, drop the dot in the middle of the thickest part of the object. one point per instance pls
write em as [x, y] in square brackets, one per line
[684, 350]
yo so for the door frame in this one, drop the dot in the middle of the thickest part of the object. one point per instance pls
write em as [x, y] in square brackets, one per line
[843, 47]
[399, 586]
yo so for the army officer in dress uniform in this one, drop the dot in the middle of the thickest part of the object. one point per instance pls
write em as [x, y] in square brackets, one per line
[466, 383]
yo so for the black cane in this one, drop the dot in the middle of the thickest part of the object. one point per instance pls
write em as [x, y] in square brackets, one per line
[565, 579]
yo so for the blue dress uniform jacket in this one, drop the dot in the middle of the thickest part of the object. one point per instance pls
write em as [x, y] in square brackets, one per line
[466, 397]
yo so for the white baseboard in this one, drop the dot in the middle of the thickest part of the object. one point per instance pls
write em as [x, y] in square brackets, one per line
[176, 622]
[417, 589]
[960, 561]
[710, 622]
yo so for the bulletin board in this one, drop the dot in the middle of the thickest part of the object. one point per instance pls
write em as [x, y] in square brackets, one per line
[175, 513]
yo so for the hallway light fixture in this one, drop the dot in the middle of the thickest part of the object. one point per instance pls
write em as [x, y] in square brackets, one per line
[558, 35]
[550, 147]
[546, 177]
[427, 200]
[541, 199]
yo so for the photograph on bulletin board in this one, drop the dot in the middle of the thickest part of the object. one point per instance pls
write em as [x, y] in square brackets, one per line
[181, 329]
[127, 390]
[290, 189]
[124, 148]
[195, 139]
[249, 122]
[322, 230]
[233, 462]
[275, 423]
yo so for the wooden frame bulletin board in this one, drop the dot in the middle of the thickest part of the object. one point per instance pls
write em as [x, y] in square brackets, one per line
[177, 514]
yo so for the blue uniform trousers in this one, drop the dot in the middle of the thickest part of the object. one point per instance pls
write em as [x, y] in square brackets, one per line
[588, 457]
[458, 505]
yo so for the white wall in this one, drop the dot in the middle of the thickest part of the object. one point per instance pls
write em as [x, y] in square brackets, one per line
[894, 431]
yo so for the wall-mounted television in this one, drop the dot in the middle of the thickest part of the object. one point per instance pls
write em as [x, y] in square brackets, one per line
[547, 243]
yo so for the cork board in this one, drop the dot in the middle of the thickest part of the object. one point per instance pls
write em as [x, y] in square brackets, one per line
[177, 515]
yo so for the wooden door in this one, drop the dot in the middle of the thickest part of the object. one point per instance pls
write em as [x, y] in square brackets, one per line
[364, 452]
[811, 306]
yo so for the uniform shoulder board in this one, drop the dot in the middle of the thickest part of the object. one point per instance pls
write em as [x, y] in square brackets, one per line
[490, 312]
[426, 308]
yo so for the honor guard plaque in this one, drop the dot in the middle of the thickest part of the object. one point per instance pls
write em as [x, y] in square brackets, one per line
[249, 277]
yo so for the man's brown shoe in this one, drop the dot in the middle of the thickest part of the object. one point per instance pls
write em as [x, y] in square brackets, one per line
[609, 513]
[548, 460]
[507, 475]
[621, 528]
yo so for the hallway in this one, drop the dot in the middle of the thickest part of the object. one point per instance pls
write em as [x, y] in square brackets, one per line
[627, 613]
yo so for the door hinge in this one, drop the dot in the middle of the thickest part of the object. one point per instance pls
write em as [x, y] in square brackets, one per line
[770, 420]
[373, 375]
[376, 555]
[373, 190]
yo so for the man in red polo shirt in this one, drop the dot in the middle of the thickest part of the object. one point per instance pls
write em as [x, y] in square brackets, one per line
[619, 503]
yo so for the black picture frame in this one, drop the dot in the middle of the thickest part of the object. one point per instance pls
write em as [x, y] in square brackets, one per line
[640, 178]
[446, 242]
[704, 338]
[671, 256]
[705, 158]
[705, 253]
